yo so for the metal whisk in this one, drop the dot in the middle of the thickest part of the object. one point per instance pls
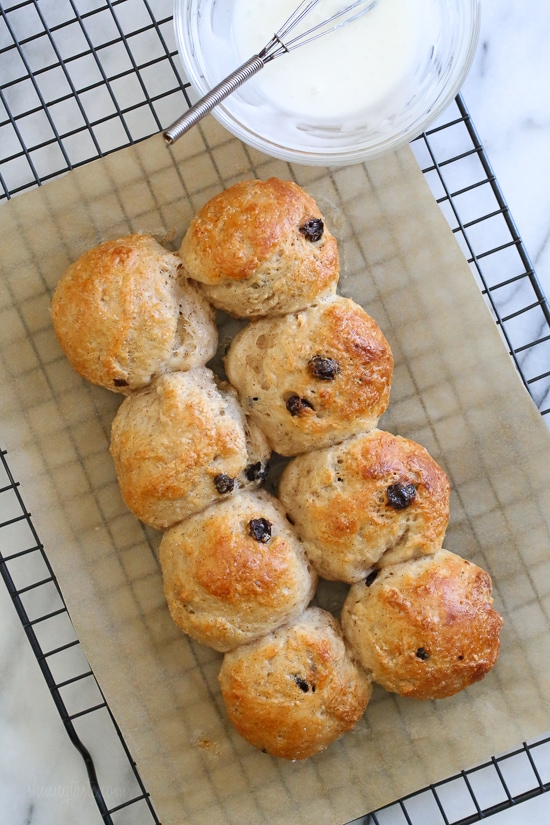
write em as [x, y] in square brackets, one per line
[277, 46]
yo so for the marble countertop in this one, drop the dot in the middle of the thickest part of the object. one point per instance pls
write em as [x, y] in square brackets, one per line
[507, 94]
[42, 778]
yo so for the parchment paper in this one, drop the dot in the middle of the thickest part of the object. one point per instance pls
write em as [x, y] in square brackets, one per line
[455, 391]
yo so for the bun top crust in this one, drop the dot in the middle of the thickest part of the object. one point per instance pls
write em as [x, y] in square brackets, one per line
[261, 247]
[124, 313]
[238, 229]
[375, 499]
[235, 571]
[181, 444]
[425, 628]
[296, 690]
[313, 378]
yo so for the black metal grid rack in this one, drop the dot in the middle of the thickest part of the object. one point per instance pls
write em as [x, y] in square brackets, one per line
[82, 78]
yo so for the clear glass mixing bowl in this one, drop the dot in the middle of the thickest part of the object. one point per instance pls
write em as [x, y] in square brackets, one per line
[203, 32]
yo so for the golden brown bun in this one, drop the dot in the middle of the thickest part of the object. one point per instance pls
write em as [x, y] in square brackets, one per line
[181, 444]
[245, 246]
[354, 507]
[297, 690]
[313, 378]
[424, 628]
[123, 313]
[226, 587]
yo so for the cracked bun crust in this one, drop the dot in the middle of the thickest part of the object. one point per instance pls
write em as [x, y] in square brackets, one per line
[261, 247]
[235, 571]
[297, 690]
[123, 313]
[181, 444]
[313, 378]
[375, 499]
[424, 628]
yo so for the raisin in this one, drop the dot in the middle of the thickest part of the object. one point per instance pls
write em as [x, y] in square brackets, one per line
[302, 684]
[313, 229]
[326, 369]
[224, 483]
[120, 382]
[371, 577]
[260, 529]
[256, 472]
[421, 654]
[401, 495]
[296, 405]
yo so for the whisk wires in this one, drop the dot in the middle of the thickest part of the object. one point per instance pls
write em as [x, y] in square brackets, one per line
[278, 44]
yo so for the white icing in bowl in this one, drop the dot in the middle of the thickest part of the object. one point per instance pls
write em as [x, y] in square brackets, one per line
[351, 95]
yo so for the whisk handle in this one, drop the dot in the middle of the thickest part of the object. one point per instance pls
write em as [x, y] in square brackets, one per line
[205, 105]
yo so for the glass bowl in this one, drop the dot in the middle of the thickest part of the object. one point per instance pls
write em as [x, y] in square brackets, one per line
[443, 56]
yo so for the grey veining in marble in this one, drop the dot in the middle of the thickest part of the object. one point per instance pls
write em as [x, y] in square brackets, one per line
[42, 778]
[507, 94]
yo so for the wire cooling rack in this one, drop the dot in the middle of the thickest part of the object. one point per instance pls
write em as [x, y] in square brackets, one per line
[82, 78]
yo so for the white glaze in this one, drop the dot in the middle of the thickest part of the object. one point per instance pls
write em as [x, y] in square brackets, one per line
[366, 64]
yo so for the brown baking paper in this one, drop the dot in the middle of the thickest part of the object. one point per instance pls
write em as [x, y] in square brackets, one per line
[455, 391]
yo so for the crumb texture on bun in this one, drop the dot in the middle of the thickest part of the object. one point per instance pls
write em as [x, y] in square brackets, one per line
[374, 499]
[297, 690]
[313, 378]
[182, 444]
[424, 628]
[261, 247]
[235, 571]
[124, 313]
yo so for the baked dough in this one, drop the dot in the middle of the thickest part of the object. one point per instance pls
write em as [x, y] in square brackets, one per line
[235, 571]
[124, 313]
[313, 378]
[375, 499]
[183, 443]
[297, 690]
[261, 247]
[424, 628]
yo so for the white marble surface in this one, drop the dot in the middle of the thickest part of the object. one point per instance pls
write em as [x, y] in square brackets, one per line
[507, 94]
[42, 779]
